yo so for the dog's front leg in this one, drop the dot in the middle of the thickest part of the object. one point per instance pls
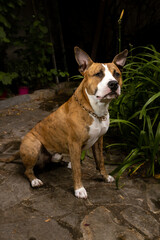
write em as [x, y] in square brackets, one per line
[97, 149]
[75, 155]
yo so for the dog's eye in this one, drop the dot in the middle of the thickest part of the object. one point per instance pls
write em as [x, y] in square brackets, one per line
[99, 74]
[116, 74]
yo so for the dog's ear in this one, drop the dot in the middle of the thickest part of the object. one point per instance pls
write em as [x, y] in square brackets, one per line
[120, 59]
[83, 60]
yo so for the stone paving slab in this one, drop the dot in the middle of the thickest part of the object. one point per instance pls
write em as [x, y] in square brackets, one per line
[129, 216]
[52, 212]
[142, 220]
[34, 228]
[153, 198]
[101, 224]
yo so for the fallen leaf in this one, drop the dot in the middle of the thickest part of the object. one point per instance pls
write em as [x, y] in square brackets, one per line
[48, 220]
[157, 176]
[121, 197]
[86, 225]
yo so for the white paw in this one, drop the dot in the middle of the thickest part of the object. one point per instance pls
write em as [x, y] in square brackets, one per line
[69, 165]
[110, 179]
[36, 183]
[81, 193]
[56, 157]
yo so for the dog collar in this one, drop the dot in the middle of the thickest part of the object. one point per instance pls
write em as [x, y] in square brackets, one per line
[102, 118]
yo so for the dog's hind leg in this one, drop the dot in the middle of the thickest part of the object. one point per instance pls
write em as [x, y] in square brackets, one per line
[29, 152]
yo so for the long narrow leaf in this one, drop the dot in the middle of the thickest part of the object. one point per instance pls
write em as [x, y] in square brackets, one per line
[155, 96]
[133, 154]
[157, 140]
[150, 130]
[116, 145]
[128, 123]
[136, 168]
[123, 169]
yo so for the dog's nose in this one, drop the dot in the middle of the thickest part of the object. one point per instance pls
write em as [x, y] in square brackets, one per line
[113, 85]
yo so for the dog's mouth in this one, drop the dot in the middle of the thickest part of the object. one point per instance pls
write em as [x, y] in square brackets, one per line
[109, 95]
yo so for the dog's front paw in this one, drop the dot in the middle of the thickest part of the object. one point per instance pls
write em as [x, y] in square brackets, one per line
[36, 183]
[69, 165]
[81, 193]
[110, 179]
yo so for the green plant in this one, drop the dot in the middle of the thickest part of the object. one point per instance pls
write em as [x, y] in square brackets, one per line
[34, 56]
[8, 13]
[30, 62]
[77, 77]
[137, 112]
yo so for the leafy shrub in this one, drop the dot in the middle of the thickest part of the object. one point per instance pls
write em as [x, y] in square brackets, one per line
[136, 112]
[8, 13]
[29, 41]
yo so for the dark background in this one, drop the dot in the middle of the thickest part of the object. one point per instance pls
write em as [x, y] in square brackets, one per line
[93, 26]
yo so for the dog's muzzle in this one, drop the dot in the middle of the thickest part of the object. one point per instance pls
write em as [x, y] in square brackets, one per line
[113, 85]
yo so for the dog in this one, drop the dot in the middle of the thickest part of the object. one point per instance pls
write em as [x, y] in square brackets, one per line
[79, 123]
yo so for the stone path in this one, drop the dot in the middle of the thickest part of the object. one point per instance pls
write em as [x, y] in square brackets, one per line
[52, 212]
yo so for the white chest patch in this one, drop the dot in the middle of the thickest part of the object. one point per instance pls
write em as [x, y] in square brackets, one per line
[97, 129]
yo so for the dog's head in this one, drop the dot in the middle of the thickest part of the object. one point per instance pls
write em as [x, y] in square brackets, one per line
[102, 81]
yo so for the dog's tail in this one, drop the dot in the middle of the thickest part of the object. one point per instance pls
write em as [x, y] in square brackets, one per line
[11, 158]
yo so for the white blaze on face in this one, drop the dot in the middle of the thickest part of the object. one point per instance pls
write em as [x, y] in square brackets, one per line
[102, 88]
[102, 97]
